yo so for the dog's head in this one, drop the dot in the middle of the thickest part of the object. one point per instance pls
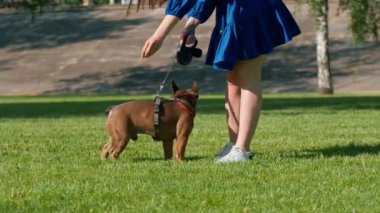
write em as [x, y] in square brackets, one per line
[190, 95]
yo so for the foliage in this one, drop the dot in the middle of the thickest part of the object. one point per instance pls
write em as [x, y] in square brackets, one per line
[33, 6]
[365, 16]
[70, 2]
[316, 6]
[312, 154]
[99, 2]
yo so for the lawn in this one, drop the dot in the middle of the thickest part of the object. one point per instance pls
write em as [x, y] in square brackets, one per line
[312, 153]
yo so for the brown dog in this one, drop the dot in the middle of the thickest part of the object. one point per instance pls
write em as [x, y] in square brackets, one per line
[176, 121]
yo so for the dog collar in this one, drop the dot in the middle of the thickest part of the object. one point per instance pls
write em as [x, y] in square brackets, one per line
[185, 105]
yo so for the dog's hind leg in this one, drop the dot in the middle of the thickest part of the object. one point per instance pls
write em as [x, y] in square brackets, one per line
[119, 137]
[168, 149]
[106, 149]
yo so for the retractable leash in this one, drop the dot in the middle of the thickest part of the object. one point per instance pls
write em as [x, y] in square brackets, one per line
[158, 100]
[162, 85]
[186, 52]
[184, 56]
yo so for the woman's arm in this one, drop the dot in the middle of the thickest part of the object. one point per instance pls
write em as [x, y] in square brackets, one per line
[153, 44]
[175, 10]
[189, 30]
[202, 10]
[179, 8]
[199, 11]
[198, 14]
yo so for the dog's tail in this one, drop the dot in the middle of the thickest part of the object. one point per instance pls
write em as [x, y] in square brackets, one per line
[108, 110]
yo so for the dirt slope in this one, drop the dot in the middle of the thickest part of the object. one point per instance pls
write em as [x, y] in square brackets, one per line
[97, 50]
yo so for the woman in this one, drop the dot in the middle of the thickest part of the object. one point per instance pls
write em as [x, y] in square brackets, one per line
[245, 31]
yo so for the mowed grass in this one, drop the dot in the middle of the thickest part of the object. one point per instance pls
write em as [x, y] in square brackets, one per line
[312, 153]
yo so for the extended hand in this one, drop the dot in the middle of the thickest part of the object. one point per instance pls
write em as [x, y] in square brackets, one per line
[151, 46]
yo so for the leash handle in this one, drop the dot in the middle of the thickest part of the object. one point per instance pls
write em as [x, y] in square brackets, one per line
[186, 52]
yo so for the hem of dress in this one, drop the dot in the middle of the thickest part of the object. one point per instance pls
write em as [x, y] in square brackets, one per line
[227, 69]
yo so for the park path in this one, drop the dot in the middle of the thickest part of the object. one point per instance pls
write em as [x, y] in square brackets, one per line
[97, 50]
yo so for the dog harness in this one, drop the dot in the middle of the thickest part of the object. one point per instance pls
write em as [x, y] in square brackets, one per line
[157, 110]
[157, 106]
[185, 105]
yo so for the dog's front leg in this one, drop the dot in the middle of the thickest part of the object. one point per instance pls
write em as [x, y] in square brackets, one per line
[180, 147]
[184, 128]
[168, 148]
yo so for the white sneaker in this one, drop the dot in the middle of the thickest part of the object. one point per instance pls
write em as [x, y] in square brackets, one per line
[226, 149]
[235, 155]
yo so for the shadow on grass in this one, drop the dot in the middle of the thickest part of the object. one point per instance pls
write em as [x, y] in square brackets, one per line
[346, 150]
[190, 158]
[206, 106]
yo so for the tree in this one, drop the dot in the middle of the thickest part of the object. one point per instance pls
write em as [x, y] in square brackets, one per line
[365, 19]
[320, 9]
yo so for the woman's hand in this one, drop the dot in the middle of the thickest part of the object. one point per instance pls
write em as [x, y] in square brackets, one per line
[151, 46]
[189, 31]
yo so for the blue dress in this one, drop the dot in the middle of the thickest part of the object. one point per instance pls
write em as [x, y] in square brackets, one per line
[244, 29]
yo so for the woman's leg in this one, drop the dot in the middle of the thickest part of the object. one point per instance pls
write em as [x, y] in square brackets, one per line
[243, 105]
[244, 78]
[249, 75]
[232, 97]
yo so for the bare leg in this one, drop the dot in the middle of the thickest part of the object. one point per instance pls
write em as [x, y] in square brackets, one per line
[232, 104]
[246, 75]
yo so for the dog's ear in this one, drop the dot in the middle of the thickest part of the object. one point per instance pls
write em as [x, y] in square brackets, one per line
[174, 86]
[195, 86]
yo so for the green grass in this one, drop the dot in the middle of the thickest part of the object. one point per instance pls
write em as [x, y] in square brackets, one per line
[312, 153]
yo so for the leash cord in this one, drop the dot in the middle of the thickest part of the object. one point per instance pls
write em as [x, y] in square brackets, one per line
[162, 84]
[166, 77]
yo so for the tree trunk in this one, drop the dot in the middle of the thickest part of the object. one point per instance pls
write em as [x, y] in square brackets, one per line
[325, 84]
[87, 2]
